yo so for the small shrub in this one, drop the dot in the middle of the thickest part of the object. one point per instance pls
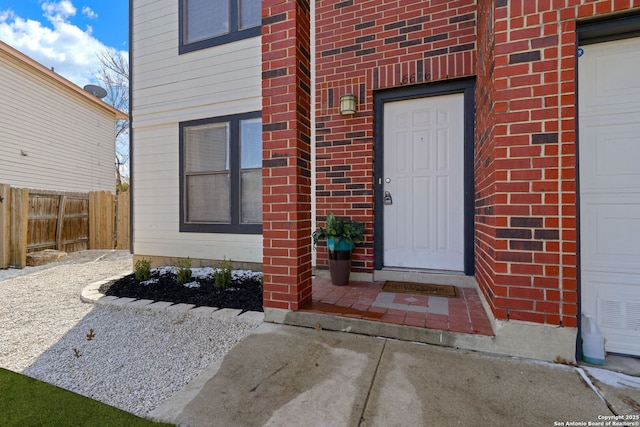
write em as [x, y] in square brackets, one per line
[184, 271]
[142, 270]
[222, 275]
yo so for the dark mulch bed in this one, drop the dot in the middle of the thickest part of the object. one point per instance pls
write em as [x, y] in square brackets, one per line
[245, 292]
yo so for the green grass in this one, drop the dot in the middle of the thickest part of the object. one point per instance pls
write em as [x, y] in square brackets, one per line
[28, 402]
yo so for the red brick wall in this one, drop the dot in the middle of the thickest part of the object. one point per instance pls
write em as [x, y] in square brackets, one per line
[526, 227]
[485, 176]
[527, 253]
[363, 46]
[286, 172]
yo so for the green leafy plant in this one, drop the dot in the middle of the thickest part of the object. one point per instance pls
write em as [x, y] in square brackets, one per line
[222, 275]
[347, 230]
[184, 271]
[142, 269]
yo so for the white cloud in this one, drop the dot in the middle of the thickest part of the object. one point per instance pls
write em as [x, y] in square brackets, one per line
[6, 14]
[89, 13]
[60, 10]
[71, 51]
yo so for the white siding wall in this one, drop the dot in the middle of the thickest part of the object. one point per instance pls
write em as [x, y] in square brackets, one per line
[168, 89]
[69, 141]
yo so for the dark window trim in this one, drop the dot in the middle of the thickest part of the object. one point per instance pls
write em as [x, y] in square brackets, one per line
[235, 227]
[465, 86]
[233, 35]
[608, 28]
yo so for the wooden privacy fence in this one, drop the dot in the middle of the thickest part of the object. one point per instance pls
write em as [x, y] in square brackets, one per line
[33, 220]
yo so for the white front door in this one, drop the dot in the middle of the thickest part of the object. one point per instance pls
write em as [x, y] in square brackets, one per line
[424, 176]
[609, 147]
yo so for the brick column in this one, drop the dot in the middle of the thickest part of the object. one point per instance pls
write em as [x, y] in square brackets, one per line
[485, 171]
[286, 169]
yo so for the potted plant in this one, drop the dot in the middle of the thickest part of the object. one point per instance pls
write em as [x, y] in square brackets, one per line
[341, 235]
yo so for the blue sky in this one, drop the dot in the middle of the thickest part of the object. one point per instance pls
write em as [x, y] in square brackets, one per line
[66, 34]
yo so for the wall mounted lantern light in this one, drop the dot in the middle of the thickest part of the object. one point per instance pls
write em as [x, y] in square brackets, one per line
[348, 104]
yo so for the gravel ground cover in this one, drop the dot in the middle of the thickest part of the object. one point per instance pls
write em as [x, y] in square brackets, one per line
[134, 359]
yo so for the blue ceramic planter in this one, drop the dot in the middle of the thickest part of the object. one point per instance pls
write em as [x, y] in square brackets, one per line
[342, 245]
[339, 261]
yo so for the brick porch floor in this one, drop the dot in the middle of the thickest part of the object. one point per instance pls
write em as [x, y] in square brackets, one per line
[365, 300]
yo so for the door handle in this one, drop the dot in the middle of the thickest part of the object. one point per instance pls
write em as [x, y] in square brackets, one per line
[387, 198]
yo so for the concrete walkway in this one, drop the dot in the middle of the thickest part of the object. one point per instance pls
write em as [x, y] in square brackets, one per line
[290, 376]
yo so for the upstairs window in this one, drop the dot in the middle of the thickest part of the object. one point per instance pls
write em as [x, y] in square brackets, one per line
[206, 23]
[221, 174]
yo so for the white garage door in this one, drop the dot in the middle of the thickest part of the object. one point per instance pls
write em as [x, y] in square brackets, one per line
[609, 155]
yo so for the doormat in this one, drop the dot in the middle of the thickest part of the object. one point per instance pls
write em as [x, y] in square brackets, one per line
[420, 289]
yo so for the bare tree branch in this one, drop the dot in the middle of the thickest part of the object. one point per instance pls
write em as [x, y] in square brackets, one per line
[113, 75]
